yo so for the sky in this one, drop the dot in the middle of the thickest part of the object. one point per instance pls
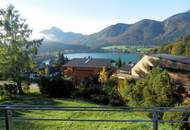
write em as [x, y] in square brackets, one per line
[90, 16]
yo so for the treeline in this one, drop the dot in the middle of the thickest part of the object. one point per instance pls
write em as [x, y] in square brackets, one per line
[179, 47]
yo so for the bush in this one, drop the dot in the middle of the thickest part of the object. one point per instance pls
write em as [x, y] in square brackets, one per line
[99, 94]
[8, 90]
[156, 89]
[56, 87]
[102, 99]
[86, 92]
[178, 116]
[111, 90]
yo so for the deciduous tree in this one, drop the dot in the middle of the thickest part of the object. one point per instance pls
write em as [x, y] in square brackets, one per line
[17, 51]
[103, 77]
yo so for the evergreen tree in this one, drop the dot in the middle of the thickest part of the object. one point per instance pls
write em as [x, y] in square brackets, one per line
[155, 90]
[119, 63]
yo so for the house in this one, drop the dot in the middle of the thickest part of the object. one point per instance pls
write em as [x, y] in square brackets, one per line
[178, 67]
[124, 72]
[81, 68]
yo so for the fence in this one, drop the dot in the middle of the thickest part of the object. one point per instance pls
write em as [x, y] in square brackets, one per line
[9, 117]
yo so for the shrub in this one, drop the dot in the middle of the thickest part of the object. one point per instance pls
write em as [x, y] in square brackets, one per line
[86, 92]
[8, 90]
[156, 89]
[106, 94]
[134, 93]
[56, 87]
[178, 116]
[159, 89]
[102, 99]
[111, 90]
[26, 88]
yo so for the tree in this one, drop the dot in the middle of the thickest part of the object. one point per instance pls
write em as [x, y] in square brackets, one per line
[103, 77]
[179, 47]
[17, 51]
[156, 89]
[61, 61]
[119, 63]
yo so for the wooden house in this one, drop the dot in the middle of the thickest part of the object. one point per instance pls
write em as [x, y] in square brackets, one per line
[80, 69]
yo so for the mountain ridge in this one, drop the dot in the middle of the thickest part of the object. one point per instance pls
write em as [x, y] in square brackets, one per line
[144, 32]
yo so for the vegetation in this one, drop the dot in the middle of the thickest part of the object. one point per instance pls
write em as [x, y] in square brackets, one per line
[61, 61]
[107, 94]
[17, 54]
[111, 90]
[54, 125]
[35, 98]
[116, 48]
[16, 51]
[180, 47]
[8, 91]
[103, 76]
[56, 87]
[178, 116]
[124, 48]
[155, 90]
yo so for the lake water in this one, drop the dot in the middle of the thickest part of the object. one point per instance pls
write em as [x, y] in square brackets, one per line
[134, 57]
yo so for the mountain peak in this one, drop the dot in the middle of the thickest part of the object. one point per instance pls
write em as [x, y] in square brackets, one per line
[56, 29]
[56, 34]
[188, 11]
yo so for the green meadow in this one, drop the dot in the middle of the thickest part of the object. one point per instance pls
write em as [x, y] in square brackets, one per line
[34, 98]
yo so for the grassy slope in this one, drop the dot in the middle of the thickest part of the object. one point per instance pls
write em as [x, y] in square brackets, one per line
[123, 48]
[58, 125]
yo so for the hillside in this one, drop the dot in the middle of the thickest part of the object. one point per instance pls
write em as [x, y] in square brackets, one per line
[142, 33]
[179, 47]
[145, 32]
[57, 40]
[61, 125]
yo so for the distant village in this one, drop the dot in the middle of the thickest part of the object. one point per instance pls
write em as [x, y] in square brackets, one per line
[81, 69]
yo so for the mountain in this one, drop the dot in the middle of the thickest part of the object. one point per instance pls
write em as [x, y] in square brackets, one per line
[55, 34]
[57, 40]
[145, 32]
[106, 36]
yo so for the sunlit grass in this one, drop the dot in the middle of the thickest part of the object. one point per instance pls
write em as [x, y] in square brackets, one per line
[30, 99]
[54, 125]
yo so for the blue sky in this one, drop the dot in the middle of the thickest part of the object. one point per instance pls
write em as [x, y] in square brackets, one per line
[89, 16]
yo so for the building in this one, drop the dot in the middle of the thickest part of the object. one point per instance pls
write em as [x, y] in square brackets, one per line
[124, 72]
[81, 68]
[178, 67]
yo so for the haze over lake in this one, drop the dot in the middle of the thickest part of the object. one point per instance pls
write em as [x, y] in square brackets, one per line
[134, 57]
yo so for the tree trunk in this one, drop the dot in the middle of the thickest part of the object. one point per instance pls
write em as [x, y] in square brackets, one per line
[20, 91]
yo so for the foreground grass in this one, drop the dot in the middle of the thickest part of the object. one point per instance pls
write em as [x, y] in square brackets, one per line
[36, 99]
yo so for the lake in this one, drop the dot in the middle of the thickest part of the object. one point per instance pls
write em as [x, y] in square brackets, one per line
[134, 57]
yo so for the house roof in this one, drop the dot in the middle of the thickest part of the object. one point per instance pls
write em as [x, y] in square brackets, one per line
[180, 59]
[126, 68]
[88, 62]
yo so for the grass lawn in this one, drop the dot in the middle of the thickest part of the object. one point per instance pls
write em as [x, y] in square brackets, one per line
[124, 48]
[36, 99]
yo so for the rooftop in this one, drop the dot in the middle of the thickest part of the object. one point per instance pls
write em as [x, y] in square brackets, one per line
[126, 67]
[88, 62]
[180, 59]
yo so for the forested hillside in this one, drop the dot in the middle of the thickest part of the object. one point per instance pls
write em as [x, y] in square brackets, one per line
[179, 47]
